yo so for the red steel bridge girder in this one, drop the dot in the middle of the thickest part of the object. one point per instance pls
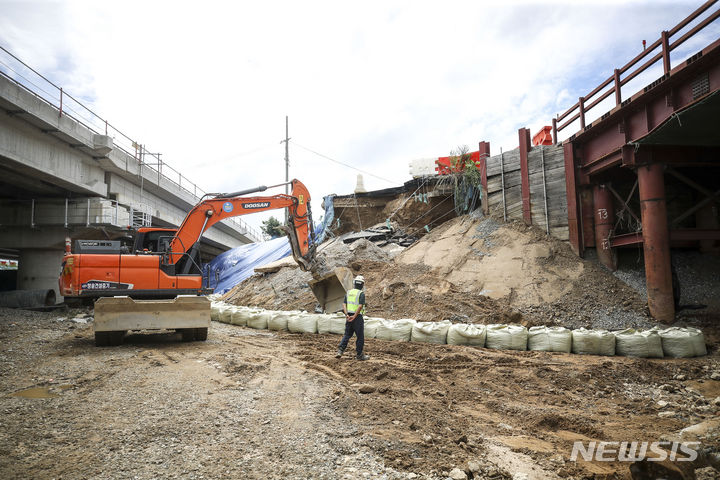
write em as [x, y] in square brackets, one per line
[599, 144]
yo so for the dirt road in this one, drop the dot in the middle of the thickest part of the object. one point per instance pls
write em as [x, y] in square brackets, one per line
[256, 404]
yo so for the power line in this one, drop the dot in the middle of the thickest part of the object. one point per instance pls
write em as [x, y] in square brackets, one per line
[233, 156]
[346, 165]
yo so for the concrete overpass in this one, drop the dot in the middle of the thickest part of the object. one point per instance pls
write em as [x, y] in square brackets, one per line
[64, 171]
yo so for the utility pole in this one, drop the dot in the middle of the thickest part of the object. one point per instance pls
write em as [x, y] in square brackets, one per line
[287, 163]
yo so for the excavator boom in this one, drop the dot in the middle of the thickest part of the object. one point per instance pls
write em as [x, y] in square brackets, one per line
[208, 212]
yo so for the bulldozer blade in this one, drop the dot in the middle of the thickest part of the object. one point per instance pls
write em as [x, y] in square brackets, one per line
[330, 289]
[125, 313]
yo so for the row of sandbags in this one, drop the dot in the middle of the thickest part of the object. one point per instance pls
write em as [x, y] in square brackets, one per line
[671, 342]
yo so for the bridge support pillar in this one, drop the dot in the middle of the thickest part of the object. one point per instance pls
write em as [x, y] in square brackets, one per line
[656, 241]
[39, 269]
[604, 223]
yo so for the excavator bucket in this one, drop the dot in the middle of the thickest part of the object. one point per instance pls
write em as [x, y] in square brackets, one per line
[330, 289]
[189, 314]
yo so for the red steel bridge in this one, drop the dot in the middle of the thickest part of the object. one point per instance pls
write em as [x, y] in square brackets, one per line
[648, 171]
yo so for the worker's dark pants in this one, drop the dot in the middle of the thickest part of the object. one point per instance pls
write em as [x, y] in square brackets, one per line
[356, 327]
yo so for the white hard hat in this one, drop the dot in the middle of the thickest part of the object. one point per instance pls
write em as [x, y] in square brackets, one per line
[360, 278]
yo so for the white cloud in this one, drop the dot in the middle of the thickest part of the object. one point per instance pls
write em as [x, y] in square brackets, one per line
[372, 84]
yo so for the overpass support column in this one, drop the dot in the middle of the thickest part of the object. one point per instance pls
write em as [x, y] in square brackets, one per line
[604, 223]
[656, 241]
[39, 269]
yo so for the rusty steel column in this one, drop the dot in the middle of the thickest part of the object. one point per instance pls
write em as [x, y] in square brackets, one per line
[604, 222]
[525, 146]
[574, 222]
[587, 216]
[484, 149]
[656, 241]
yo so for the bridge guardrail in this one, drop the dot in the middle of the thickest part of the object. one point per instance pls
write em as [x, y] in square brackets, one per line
[18, 72]
[580, 109]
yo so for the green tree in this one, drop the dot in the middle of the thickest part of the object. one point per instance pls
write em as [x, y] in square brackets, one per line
[468, 191]
[272, 228]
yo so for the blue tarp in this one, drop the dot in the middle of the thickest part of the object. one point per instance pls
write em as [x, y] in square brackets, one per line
[232, 267]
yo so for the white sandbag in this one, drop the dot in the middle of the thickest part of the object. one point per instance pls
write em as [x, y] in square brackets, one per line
[466, 334]
[371, 325]
[240, 315]
[259, 319]
[215, 311]
[549, 339]
[226, 313]
[506, 337]
[400, 330]
[303, 323]
[430, 332]
[683, 342]
[593, 342]
[636, 343]
[278, 321]
[331, 324]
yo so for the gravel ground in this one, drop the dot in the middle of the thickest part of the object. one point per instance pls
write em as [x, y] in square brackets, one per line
[699, 276]
[266, 405]
[236, 406]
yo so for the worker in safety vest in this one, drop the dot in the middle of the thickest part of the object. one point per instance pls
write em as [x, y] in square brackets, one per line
[354, 307]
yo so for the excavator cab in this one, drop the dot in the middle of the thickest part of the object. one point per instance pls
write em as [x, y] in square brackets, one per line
[153, 240]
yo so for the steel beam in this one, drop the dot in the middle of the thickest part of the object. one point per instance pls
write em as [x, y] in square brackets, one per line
[484, 149]
[604, 223]
[572, 199]
[525, 146]
[656, 241]
[587, 216]
[612, 160]
[681, 235]
[626, 239]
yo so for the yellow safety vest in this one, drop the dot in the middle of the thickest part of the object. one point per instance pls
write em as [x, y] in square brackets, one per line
[353, 301]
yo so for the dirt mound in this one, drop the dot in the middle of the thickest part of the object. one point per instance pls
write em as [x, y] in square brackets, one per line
[469, 269]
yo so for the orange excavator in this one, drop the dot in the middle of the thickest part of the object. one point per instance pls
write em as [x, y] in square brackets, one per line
[158, 285]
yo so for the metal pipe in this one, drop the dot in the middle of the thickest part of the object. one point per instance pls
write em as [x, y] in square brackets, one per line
[32, 213]
[66, 212]
[542, 164]
[656, 242]
[27, 298]
[261, 188]
[87, 221]
[502, 183]
[604, 223]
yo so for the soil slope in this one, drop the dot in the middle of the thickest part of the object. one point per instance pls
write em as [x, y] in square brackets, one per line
[471, 270]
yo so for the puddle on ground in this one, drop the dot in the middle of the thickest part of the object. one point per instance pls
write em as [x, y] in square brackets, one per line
[37, 392]
[40, 392]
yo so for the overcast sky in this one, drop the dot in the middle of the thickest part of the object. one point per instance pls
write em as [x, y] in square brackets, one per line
[371, 84]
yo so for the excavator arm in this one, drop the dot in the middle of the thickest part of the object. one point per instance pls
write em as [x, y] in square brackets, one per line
[210, 211]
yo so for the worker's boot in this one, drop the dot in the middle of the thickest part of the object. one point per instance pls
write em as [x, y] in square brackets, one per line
[362, 356]
[339, 353]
